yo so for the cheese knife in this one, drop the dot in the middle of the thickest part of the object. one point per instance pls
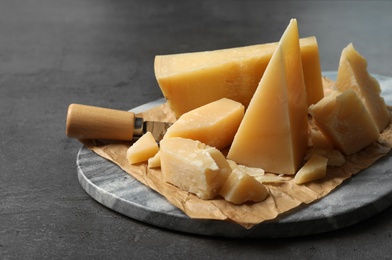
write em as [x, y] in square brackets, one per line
[90, 122]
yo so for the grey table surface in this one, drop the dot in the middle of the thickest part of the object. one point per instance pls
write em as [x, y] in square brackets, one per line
[53, 53]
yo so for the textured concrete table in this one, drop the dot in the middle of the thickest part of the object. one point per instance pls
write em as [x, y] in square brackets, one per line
[53, 53]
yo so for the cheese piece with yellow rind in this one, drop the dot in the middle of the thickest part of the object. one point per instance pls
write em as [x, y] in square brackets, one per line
[190, 80]
[343, 118]
[353, 74]
[143, 149]
[315, 168]
[241, 187]
[193, 166]
[274, 132]
[214, 124]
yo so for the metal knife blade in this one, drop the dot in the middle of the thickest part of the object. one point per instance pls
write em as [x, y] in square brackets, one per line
[89, 122]
[157, 129]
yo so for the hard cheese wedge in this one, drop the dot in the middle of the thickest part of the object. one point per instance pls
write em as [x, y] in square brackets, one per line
[274, 132]
[343, 118]
[214, 124]
[353, 74]
[191, 80]
[193, 166]
[241, 187]
[143, 149]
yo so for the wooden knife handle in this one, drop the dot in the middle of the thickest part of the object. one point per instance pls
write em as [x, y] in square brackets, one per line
[89, 122]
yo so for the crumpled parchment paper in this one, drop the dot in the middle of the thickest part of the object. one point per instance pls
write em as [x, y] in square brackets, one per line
[284, 196]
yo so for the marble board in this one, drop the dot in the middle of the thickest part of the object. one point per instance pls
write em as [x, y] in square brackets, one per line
[357, 199]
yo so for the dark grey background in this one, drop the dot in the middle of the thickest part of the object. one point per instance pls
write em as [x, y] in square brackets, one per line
[57, 52]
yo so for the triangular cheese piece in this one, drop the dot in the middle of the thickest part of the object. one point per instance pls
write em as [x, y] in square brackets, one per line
[143, 149]
[274, 132]
[353, 74]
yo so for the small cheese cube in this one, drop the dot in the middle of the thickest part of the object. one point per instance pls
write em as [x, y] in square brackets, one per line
[193, 166]
[316, 138]
[343, 118]
[314, 169]
[143, 149]
[241, 187]
[214, 124]
[353, 74]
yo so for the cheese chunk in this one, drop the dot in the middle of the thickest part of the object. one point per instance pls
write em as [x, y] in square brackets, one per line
[319, 140]
[343, 118]
[193, 166]
[190, 80]
[314, 169]
[274, 132]
[316, 138]
[328, 86]
[155, 161]
[214, 124]
[353, 74]
[143, 149]
[241, 187]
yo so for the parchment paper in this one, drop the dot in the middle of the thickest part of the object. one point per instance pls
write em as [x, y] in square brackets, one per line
[284, 196]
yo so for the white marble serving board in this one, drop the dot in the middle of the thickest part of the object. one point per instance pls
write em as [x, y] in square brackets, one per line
[358, 198]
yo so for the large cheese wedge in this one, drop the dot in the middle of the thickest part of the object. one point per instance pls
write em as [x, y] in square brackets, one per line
[241, 187]
[214, 124]
[274, 132]
[190, 80]
[353, 74]
[193, 166]
[343, 118]
[143, 149]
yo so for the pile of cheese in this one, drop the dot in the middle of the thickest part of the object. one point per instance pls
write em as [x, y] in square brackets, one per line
[258, 114]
